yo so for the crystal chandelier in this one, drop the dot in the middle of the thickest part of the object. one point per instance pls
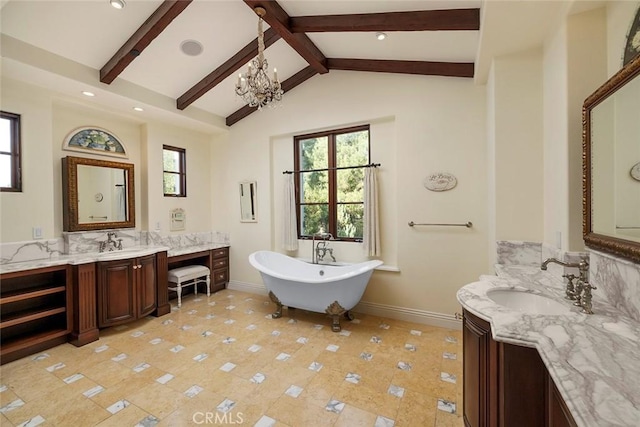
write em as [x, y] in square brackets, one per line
[255, 88]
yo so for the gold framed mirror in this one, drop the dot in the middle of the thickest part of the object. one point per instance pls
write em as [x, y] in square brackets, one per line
[97, 194]
[610, 151]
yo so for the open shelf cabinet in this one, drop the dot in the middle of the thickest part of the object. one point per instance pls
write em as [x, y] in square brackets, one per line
[35, 311]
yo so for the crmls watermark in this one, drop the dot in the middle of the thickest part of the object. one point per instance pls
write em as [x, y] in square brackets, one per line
[218, 418]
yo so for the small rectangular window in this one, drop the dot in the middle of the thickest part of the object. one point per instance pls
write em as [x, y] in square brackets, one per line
[330, 184]
[10, 170]
[174, 171]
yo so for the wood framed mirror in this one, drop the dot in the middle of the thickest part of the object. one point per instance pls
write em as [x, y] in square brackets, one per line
[610, 154]
[97, 194]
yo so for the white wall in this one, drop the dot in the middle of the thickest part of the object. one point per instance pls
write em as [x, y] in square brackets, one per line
[47, 118]
[419, 125]
[197, 204]
[586, 59]
[517, 146]
[32, 207]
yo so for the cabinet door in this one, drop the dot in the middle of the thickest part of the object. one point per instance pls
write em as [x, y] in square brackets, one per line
[558, 414]
[479, 385]
[146, 284]
[116, 300]
[522, 382]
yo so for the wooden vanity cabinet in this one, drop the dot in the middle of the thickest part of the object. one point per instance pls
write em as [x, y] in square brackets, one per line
[35, 311]
[506, 385]
[126, 290]
[219, 269]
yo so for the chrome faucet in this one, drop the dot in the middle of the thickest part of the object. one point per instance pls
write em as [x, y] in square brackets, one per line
[317, 252]
[580, 292]
[111, 244]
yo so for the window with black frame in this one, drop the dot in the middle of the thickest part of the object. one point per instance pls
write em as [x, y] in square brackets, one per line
[10, 160]
[174, 177]
[330, 182]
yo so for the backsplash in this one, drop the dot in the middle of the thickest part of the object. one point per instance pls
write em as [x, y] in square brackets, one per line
[515, 252]
[176, 241]
[84, 242]
[29, 251]
[618, 281]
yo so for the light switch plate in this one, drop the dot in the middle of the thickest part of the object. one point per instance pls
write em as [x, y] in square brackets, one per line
[36, 232]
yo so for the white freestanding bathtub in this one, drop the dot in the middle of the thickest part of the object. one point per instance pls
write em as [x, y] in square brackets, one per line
[315, 287]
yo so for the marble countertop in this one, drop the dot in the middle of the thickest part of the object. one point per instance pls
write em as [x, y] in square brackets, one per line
[594, 360]
[85, 258]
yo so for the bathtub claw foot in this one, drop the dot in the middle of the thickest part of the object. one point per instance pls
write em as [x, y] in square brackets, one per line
[335, 324]
[335, 310]
[278, 313]
[349, 315]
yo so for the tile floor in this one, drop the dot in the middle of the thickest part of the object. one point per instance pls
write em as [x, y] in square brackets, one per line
[222, 360]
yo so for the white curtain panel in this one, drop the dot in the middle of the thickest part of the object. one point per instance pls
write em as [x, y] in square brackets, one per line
[290, 225]
[371, 232]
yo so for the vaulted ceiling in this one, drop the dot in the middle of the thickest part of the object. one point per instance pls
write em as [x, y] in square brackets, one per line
[134, 55]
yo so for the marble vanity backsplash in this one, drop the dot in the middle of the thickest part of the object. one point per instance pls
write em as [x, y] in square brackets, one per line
[617, 280]
[178, 241]
[532, 254]
[86, 242]
[30, 250]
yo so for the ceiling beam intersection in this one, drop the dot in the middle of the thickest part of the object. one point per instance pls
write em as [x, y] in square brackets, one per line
[278, 19]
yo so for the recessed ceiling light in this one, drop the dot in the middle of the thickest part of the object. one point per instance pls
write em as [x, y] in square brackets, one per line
[87, 93]
[117, 4]
[381, 36]
[191, 47]
[138, 108]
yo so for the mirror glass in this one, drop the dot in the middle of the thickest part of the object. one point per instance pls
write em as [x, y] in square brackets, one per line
[98, 194]
[611, 119]
[248, 201]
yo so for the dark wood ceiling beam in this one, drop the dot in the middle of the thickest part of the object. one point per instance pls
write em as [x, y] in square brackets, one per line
[424, 20]
[278, 19]
[293, 81]
[449, 69]
[152, 27]
[225, 70]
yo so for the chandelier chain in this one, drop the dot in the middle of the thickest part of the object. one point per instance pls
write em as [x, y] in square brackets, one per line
[255, 88]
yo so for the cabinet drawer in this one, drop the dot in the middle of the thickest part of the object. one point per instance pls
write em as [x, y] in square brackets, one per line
[220, 253]
[220, 263]
[220, 276]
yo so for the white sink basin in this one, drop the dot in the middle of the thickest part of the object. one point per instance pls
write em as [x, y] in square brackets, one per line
[526, 302]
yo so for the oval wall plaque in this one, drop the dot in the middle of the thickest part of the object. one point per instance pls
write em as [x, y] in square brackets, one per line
[440, 181]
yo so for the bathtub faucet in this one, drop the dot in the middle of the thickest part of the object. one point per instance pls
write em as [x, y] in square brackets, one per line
[317, 252]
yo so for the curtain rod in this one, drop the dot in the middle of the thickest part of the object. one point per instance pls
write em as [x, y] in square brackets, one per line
[371, 165]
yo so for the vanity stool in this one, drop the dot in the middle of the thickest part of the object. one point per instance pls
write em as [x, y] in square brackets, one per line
[187, 276]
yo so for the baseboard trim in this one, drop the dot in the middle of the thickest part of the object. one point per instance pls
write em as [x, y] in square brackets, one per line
[409, 315]
[383, 310]
[252, 288]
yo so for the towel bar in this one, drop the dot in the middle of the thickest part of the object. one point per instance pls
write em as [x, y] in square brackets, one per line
[467, 224]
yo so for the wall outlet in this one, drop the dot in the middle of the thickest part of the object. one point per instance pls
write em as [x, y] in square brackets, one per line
[36, 232]
[559, 239]
[158, 225]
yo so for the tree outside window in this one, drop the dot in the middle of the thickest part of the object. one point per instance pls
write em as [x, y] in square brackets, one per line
[330, 184]
[174, 178]
[10, 171]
